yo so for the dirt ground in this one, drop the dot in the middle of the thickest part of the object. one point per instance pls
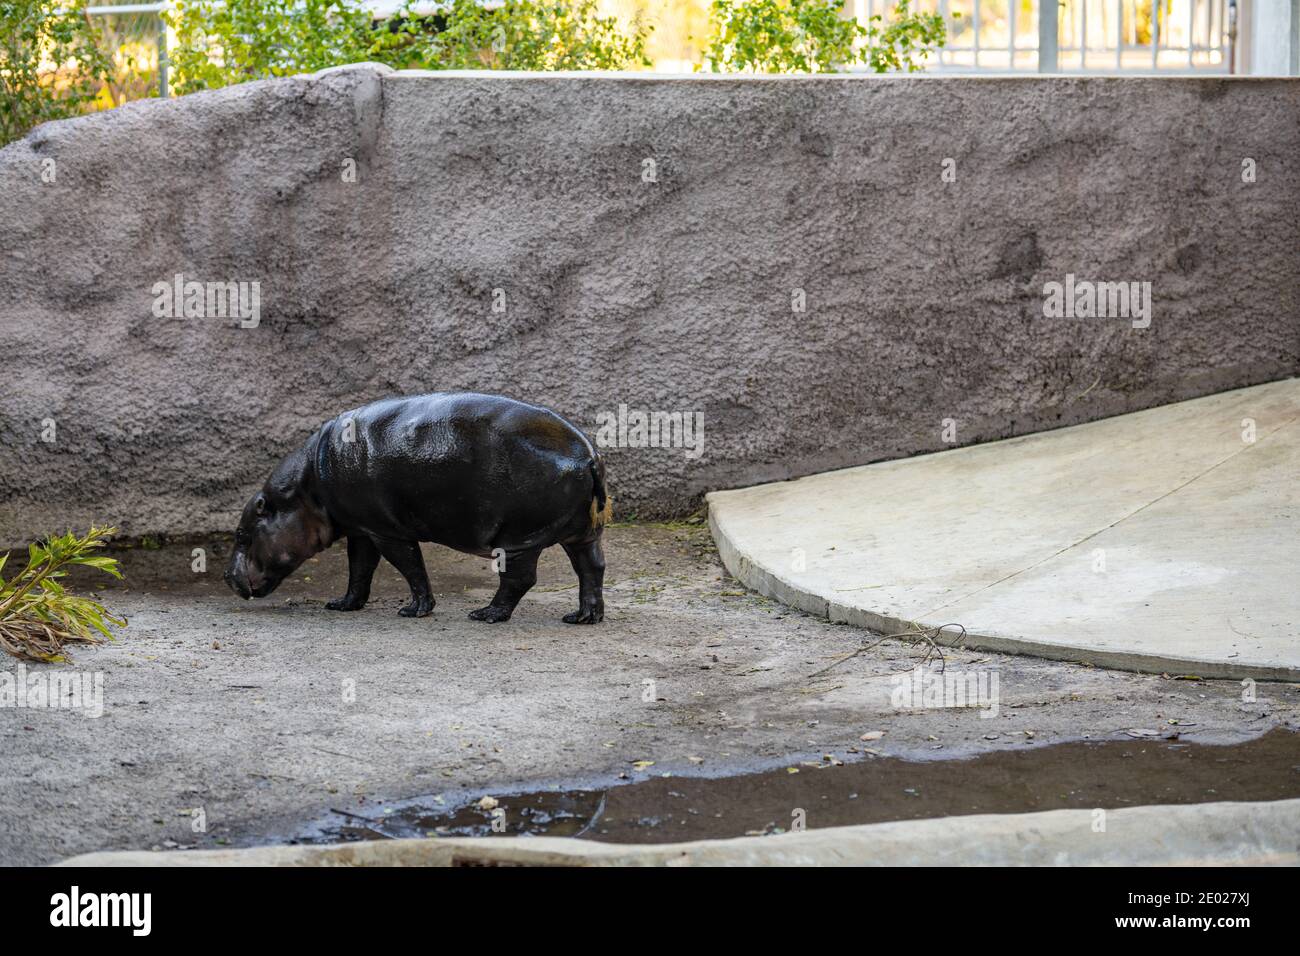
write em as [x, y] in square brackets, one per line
[263, 715]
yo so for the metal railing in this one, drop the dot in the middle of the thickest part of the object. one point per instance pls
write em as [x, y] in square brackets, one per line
[1079, 36]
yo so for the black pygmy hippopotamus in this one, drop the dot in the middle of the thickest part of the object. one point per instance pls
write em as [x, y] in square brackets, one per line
[483, 474]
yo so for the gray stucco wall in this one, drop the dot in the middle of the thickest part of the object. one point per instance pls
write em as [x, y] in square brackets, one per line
[924, 298]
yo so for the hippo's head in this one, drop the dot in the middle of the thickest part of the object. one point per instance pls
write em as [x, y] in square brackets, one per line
[281, 527]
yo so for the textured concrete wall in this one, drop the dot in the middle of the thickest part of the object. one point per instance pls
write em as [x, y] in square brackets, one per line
[924, 298]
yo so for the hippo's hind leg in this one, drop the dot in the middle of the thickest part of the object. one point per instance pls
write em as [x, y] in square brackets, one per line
[406, 557]
[588, 561]
[363, 558]
[519, 574]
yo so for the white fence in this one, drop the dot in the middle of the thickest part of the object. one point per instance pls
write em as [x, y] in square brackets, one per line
[1079, 36]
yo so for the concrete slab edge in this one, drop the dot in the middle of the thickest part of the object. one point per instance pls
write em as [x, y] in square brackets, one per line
[758, 578]
[1206, 834]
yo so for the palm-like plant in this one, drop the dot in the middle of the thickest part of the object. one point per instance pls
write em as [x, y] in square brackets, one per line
[37, 614]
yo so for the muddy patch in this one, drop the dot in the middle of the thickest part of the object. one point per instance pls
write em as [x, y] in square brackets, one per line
[1110, 774]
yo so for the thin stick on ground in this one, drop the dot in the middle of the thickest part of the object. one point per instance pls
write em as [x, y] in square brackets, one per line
[930, 636]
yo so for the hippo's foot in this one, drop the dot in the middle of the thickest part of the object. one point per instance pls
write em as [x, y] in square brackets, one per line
[586, 615]
[492, 614]
[419, 607]
[346, 603]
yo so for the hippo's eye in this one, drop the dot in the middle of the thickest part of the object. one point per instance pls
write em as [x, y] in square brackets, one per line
[261, 505]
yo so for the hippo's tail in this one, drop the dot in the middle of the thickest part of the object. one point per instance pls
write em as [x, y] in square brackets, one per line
[602, 505]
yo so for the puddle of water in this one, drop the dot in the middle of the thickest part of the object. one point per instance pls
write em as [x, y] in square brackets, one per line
[1083, 775]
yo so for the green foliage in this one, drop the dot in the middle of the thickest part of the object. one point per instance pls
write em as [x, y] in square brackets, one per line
[51, 67]
[514, 35]
[812, 36]
[36, 35]
[37, 615]
[221, 43]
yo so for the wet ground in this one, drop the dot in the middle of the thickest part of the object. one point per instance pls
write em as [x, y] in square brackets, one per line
[831, 793]
[232, 723]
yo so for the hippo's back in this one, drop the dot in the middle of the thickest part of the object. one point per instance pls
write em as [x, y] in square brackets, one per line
[468, 470]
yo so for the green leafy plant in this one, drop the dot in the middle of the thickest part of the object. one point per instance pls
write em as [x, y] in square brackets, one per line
[50, 64]
[132, 39]
[37, 615]
[512, 35]
[813, 36]
[221, 43]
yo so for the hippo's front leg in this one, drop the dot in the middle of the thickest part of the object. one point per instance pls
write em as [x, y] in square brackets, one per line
[406, 557]
[363, 558]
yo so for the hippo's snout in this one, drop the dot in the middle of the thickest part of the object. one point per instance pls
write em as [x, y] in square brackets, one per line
[237, 576]
[238, 584]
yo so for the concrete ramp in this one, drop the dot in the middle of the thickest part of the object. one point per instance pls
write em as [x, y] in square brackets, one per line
[1165, 540]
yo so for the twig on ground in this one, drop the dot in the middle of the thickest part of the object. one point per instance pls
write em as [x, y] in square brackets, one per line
[355, 816]
[929, 635]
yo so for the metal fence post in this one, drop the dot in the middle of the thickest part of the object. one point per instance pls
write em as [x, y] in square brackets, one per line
[1295, 38]
[162, 56]
[1047, 30]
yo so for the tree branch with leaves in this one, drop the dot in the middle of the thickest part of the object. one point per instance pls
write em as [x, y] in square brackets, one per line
[814, 36]
[37, 614]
